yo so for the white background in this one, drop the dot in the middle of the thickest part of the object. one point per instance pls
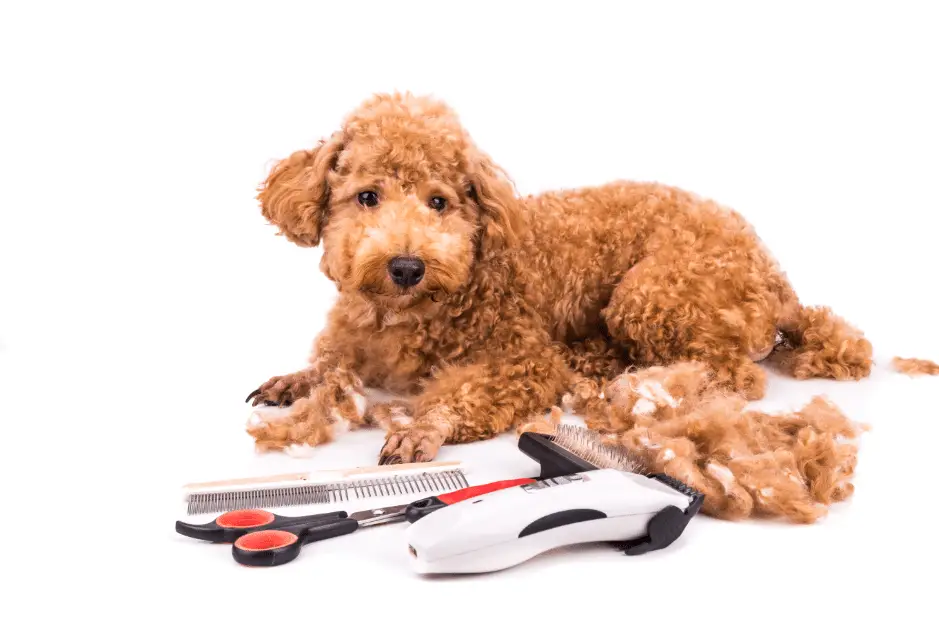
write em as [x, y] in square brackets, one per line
[143, 296]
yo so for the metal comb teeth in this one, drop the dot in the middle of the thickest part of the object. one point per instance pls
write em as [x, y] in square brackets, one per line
[439, 482]
[589, 446]
[202, 503]
[428, 481]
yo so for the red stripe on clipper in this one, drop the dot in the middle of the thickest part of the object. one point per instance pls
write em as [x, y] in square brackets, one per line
[265, 540]
[482, 489]
[244, 518]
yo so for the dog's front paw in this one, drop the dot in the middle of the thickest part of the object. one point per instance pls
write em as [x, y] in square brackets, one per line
[413, 443]
[282, 390]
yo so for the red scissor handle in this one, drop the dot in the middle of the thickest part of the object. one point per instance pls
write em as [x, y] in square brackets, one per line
[239, 519]
[269, 548]
[230, 526]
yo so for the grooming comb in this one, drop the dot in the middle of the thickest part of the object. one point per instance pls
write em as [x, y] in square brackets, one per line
[572, 449]
[323, 487]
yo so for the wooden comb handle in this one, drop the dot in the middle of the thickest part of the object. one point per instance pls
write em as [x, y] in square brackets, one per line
[392, 469]
[284, 477]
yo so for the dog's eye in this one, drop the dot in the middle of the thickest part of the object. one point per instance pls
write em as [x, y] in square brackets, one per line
[368, 199]
[438, 203]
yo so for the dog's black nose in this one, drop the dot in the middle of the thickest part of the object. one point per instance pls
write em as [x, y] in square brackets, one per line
[406, 271]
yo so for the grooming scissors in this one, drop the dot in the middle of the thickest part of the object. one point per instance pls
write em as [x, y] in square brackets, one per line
[261, 538]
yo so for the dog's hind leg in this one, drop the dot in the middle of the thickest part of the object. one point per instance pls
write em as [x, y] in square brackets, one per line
[688, 306]
[818, 343]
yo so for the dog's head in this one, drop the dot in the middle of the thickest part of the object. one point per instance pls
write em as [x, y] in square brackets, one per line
[402, 200]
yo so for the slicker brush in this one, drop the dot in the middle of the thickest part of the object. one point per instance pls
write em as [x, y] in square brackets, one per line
[572, 449]
[589, 446]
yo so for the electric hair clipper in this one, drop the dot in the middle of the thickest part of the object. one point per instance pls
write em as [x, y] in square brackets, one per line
[507, 527]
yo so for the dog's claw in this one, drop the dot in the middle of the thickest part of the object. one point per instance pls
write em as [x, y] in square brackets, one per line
[412, 444]
[256, 392]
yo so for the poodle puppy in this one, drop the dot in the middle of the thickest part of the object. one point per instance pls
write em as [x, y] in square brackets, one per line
[481, 308]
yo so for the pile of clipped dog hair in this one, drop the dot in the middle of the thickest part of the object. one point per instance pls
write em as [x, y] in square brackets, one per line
[747, 463]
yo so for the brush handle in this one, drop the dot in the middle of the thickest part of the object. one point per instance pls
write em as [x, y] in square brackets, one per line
[555, 460]
[323, 476]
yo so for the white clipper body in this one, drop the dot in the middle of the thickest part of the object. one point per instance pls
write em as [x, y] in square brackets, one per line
[502, 529]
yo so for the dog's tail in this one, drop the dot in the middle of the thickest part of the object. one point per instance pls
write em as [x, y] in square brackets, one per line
[816, 342]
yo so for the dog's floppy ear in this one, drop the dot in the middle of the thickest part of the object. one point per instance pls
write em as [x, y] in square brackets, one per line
[493, 191]
[295, 193]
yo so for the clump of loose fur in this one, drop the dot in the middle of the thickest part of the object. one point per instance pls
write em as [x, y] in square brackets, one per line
[337, 404]
[541, 424]
[915, 366]
[747, 463]
[390, 415]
